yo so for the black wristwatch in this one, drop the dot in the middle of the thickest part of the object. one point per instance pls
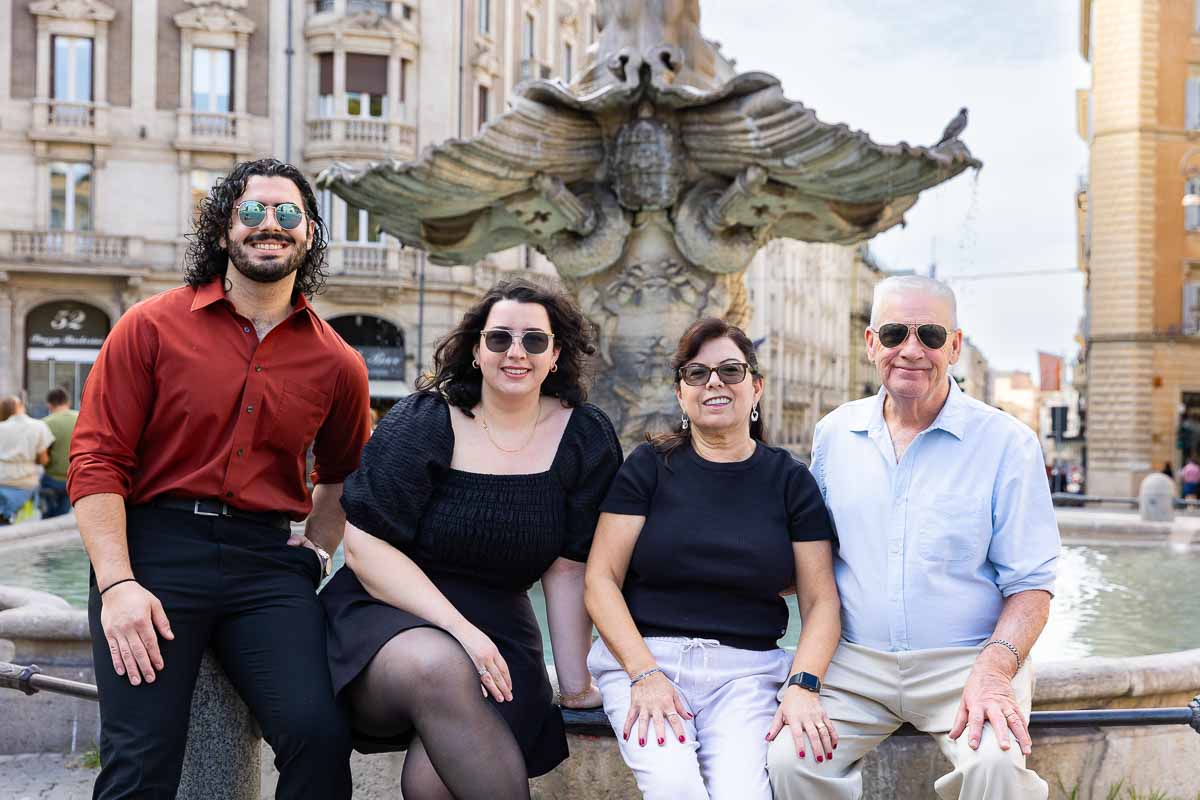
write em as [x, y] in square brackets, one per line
[806, 681]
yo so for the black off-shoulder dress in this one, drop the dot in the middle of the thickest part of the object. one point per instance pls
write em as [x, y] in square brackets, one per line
[482, 539]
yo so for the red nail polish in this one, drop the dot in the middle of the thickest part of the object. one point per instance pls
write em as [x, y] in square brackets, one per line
[802, 754]
[829, 756]
[681, 740]
[627, 737]
[642, 742]
[661, 741]
[819, 759]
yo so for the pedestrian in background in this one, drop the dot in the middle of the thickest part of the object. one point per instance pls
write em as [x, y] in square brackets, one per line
[1190, 475]
[61, 422]
[23, 445]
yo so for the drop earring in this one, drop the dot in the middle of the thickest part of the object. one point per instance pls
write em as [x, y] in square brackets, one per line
[683, 423]
[474, 363]
[754, 413]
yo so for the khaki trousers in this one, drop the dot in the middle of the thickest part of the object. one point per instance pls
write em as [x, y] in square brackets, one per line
[869, 693]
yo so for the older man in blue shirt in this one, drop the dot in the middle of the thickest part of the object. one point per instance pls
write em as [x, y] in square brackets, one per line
[946, 564]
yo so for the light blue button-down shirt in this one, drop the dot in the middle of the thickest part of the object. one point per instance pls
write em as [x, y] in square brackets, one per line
[929, 547]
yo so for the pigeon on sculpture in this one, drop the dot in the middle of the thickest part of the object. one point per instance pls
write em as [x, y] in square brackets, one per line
[955, 128]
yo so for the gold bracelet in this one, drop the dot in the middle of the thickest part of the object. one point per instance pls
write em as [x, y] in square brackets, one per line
[571, 698]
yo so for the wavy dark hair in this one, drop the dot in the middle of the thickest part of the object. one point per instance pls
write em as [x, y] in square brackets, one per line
[207, 259]
[698, 333]
[462, 384]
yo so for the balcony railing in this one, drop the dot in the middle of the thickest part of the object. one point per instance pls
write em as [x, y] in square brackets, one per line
[212, 131]
[384, 260]
[69, 120]
[360, 137]
[70, 246]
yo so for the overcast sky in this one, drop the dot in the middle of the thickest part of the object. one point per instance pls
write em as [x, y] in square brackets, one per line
[900, 70]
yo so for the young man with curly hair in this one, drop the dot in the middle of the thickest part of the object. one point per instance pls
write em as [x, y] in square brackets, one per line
[187, 469]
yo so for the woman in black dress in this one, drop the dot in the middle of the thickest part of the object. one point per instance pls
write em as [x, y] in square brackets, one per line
[486, 480]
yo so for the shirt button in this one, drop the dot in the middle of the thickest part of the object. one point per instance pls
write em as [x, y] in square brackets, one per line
[258, 368]
[249, 409]
[246, 330]
[241, 452]
[229, 494]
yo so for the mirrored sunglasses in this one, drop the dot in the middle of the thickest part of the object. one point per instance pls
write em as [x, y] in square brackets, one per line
[252, 213]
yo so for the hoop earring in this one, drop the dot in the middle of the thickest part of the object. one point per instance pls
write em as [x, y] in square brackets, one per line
[683, 422]
[227, 285]
[754, 413]
[554, 367]
[474, 363]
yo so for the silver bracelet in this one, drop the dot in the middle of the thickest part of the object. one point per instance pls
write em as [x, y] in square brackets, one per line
[1016, 653]
[641, 676]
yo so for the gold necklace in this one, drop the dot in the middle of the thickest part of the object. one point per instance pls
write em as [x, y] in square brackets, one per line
[487, 430]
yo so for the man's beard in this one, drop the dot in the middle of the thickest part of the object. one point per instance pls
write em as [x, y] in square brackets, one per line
[266, 271]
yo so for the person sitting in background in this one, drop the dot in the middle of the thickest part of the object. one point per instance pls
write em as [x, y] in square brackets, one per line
[702, 530]
[1190, 476]
[61, 422]
[24, 442]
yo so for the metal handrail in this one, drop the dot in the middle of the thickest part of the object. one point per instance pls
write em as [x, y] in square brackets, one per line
[593, 722]
[1128, 501]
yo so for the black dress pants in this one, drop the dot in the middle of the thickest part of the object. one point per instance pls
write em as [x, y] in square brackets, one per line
[237, 587]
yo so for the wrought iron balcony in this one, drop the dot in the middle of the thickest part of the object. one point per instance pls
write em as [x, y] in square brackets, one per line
[69, 121]
[359, 137]
[212, 131]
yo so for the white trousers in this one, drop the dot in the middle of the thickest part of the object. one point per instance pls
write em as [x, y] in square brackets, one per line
[869, 693]
[732, 694]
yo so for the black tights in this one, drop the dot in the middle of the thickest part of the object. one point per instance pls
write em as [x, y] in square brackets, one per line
[423, 681]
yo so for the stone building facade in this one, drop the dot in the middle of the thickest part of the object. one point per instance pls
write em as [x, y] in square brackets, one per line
[972, 372]
[114, 124]
[1140, 210]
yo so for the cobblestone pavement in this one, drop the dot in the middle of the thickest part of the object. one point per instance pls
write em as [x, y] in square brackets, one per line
[45, 776]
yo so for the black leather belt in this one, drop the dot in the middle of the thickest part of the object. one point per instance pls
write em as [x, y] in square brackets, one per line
[215, 508]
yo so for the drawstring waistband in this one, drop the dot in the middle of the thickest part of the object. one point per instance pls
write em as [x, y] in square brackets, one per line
[687, 646]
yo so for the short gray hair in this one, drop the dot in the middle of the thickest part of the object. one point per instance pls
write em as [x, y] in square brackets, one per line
[912, 284]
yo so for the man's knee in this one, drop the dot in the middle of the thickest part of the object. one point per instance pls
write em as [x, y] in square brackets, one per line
[309, 729]
[782, 759]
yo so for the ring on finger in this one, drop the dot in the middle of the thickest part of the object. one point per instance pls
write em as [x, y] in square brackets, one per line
[821, 726]
[673, 714]
[483, 671]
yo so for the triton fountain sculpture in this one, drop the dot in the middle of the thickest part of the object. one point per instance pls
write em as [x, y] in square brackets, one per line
[650, 185]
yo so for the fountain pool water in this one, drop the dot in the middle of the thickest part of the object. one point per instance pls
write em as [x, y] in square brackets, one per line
[1111, 600]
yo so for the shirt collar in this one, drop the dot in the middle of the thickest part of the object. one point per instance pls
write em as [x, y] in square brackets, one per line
[950, 419]
[214, 291]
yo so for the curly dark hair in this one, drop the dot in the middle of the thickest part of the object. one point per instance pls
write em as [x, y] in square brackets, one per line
[207, 259]
[698, 333]
[462, 384]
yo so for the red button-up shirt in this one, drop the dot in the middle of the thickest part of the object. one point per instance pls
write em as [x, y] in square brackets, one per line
[185, 400]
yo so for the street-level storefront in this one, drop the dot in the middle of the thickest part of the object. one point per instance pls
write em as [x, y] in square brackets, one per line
[62, 340]
[382, 346]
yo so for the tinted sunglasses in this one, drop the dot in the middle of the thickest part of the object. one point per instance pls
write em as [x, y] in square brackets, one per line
[698, 374]
[498, 340]
[894, 334]
[252, 213]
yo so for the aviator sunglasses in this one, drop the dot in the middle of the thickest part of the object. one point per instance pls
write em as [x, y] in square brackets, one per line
[698, 374]
[252, 213]
[498, 340]
[893, 334]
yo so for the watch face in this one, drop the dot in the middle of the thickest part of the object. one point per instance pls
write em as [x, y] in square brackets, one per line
[807, 681]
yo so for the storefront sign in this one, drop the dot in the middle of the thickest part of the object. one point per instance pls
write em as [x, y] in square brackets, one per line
[384, 363]
[66, 324]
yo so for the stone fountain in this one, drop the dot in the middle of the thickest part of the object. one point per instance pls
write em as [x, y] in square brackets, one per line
[650, 185]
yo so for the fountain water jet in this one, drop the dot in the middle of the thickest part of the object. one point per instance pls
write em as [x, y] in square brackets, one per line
[650, 187]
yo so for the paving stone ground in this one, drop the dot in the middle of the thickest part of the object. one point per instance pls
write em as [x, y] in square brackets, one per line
[45, 776]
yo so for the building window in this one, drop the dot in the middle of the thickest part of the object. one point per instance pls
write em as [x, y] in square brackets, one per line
[1192, 106]
[1191, 308]
[202, 181]
[212, 80]
[70, 196]
[325, 209]
[481, 112]
[366, 85]
[485, 16]
[380, 7]
[72, 69]
[1191, 213]
[529, 38]
[568, 59]
[362, 227]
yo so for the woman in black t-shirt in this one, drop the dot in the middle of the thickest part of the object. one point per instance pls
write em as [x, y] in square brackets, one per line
[700, 533]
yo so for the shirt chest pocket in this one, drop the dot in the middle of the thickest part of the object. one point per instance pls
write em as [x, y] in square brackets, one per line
[954, 527]
[299, 413]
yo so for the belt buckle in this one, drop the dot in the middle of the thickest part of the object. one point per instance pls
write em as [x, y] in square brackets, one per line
[224, 512]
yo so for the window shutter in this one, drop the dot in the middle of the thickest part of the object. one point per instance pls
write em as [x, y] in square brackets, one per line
[366, 74]
[325, 63]
[1193, 104]
[1191, 308]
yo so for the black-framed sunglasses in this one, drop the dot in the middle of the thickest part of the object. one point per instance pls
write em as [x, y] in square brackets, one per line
[498, 340]
[730, 372]
[894, 334]
[252, 213]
